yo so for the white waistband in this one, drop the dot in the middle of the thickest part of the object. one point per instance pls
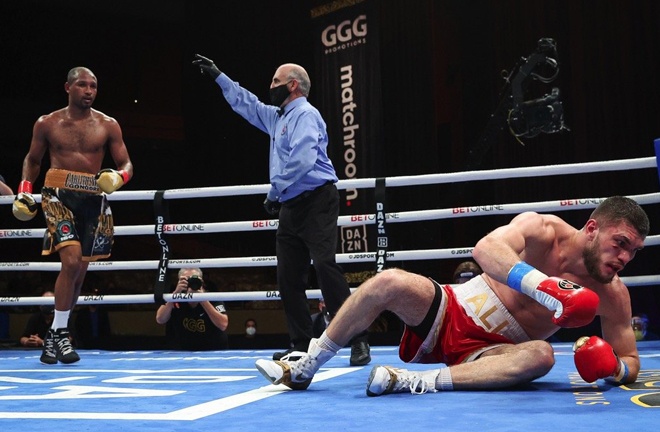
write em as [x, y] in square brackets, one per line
[487, 311]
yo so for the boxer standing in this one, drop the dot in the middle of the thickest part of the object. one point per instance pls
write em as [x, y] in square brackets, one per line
[78, 217]
[490, 332]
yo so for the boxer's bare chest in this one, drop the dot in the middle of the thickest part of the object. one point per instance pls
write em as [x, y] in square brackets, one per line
[77, 136]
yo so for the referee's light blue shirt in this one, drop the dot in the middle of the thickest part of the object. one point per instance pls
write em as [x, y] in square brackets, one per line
[298, 159]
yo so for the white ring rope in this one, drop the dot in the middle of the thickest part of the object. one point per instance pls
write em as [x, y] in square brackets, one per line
[259, 261]
[406, 216]
[269, 261]
[214, 296]
[456, 177]
[149, 298]
[262, 225]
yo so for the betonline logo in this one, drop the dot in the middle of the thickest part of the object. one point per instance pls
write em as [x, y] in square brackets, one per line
[346, 34]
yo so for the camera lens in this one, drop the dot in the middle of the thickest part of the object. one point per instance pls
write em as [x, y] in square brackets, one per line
[194, 282]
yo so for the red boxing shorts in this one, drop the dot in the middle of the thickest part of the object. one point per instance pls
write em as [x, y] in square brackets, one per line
[76, 212]
[467, 321]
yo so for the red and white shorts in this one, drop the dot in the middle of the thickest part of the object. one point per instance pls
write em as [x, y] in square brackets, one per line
[469, 320]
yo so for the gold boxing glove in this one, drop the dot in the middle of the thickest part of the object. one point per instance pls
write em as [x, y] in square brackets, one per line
[110, 180]
[24, 207]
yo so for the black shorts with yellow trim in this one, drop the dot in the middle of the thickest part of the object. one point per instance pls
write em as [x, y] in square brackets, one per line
[76, 216]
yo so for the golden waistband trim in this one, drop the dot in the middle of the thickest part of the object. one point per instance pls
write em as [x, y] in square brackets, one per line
[71, 180]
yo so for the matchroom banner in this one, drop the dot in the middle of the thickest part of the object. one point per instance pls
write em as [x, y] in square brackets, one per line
[348, 89]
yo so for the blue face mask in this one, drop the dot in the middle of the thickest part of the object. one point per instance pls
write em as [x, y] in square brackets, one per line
[279, 94]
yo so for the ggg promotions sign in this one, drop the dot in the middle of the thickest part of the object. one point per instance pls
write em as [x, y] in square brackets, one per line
[347, 56]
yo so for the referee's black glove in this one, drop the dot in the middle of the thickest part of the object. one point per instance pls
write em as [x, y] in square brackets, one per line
[272, 207]
[207, 65]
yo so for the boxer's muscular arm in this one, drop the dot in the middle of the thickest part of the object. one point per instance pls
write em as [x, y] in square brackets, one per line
[501, 255]
[614, 357]
[108, 179]
[501, 249]
[615, 317]
[118, 149]
[38, 147]
[25, 207]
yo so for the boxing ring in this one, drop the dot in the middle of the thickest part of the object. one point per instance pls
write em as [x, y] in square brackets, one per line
[176, 391]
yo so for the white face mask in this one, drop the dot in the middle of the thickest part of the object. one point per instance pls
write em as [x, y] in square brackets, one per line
[250, 331]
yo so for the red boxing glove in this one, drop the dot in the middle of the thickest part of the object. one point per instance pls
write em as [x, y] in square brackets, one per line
[574, 305]
[594, 358]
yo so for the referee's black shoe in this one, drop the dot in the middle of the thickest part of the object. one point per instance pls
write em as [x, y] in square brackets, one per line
[360, 353]
[299, 346]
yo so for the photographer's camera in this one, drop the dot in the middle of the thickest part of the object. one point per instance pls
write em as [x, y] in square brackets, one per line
[194, 282]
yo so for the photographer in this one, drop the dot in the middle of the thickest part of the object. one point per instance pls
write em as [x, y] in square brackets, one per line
[38, 324]
[194, 326]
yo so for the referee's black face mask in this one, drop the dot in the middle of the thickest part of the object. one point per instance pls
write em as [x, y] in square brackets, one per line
[279, 94]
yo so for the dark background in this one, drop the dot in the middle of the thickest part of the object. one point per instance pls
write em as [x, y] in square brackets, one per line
[441, 80]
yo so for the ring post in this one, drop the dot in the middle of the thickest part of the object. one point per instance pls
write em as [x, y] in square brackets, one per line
[381, 235]
[162, 214]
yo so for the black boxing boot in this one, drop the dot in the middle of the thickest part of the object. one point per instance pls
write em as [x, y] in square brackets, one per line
[49, 355]
[64, 350]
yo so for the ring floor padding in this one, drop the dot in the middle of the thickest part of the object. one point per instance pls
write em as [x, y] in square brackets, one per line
[222, 391]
